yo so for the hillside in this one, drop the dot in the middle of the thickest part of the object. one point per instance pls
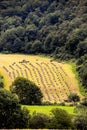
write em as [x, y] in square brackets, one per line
[57, 27]
[56, 80]
[43, 64]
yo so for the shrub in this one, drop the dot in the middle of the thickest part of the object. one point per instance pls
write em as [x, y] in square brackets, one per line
[80, 122]
[60, 119]
[73, 97]
[1, 82]
[39, 121]
[47, 103]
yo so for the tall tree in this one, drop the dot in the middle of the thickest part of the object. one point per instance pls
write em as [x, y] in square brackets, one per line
[27, 91]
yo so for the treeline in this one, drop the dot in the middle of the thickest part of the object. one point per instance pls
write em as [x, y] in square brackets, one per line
[12, 116]
[15, 116]
[57, 27]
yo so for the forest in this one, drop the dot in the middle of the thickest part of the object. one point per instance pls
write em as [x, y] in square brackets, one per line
[55, 27]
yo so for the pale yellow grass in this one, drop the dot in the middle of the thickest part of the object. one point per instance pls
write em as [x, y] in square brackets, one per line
[56, 80]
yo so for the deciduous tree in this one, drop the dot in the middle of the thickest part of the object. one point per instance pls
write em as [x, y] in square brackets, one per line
[11, 114]
[27, 91]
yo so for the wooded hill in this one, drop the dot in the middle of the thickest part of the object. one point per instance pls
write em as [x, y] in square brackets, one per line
[57, 27]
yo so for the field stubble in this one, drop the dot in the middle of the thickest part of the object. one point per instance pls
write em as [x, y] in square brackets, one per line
[56, 80]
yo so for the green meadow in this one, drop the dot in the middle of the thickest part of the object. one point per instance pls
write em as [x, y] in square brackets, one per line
[47, 109]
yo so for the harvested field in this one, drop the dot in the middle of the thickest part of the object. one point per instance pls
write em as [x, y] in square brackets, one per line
[55, 79]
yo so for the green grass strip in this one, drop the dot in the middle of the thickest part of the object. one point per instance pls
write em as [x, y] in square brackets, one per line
[47, 109]
[81, 88]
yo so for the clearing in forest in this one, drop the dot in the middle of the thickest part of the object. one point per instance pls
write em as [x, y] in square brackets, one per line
[55, 79]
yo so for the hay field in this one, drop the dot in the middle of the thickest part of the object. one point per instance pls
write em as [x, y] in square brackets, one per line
[56, 80]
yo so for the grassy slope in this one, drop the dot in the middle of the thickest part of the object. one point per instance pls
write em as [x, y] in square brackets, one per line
[47, 109]
[81, 89]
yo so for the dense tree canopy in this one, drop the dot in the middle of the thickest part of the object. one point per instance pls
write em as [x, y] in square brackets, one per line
[27, 91]
[25, 21]
[56, 27]
[11, 115]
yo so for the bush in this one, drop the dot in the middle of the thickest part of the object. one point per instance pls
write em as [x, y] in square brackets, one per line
[39, 121]
[60, 119]
[73, 97]
[1, 82]
[80, 122]
[47, 103]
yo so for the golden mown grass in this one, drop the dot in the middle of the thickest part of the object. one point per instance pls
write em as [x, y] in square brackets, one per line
[56, 80]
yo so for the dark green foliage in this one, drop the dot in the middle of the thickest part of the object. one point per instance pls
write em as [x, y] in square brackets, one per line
[36, 47]
[39, 121]
[73, 97]
[74, 39]
[80, 121]
[82, 69]
[47, 43]
[57, 27]
[81, 48]
[1, 82]
[11, 115]
[27, 91]
[27, 21]
[60, 119]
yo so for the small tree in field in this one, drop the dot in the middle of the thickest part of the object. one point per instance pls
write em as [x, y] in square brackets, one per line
[28, 92]
[73, 97]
